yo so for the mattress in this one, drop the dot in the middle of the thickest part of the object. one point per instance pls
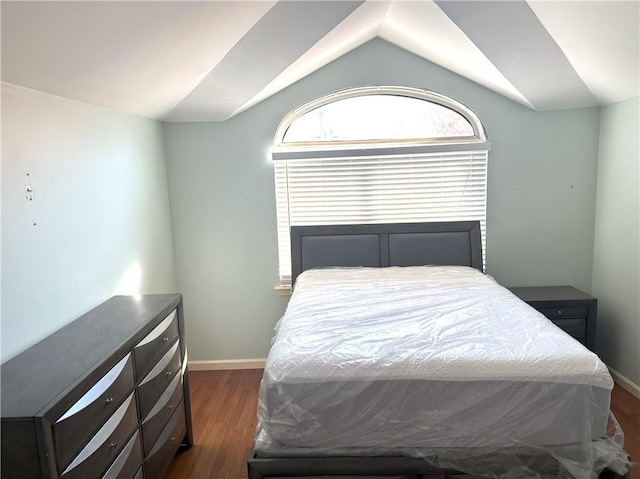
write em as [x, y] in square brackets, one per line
[419, 357]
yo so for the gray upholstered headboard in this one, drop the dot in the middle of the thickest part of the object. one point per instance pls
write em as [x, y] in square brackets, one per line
[380, 245]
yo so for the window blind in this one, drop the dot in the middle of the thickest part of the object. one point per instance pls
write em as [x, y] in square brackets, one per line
[434, 186]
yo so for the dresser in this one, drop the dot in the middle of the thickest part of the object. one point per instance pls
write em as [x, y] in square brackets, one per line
[569, 308]
[106, 396]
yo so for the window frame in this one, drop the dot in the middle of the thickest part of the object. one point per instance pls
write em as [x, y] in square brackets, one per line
[335, 149]
[281, 148]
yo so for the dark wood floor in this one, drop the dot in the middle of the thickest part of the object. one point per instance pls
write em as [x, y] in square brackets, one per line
[626, 409]
[223, 410]
[224, 419]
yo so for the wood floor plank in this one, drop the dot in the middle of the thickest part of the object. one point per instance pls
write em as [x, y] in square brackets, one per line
[224, 405]
[626, 409]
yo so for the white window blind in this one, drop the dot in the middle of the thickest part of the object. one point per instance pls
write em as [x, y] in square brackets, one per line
[432, 186]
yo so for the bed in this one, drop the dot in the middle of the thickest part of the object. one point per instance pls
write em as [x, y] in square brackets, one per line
[398, 357]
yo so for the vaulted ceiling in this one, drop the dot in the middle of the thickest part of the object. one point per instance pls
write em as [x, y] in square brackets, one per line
[209, 60]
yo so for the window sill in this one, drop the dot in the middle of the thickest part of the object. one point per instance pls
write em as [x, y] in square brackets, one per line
[282, 290]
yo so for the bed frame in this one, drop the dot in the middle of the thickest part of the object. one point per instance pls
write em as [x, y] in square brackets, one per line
[379, 245]
[379, 467]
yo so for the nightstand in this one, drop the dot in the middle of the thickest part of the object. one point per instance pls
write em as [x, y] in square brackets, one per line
[569, 308]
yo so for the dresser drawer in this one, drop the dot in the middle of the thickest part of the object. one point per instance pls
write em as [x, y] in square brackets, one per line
[105, 446]
[564, 312]
[155, 383]
[161, 413]
[73, 429]
[150, 349]
[167, 445]
[128, 462]
[576, 327]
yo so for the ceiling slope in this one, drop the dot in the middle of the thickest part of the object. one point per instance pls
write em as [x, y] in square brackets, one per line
[355, 30]
[281, 36]
[139, 57]
[209, 60]
[424, 29]
[602, 41]
[513, 39]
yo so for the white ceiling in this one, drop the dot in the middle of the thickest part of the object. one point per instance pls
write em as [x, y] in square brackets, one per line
[209, 60]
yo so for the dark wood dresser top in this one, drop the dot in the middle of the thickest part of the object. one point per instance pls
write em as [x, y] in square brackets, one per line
[77, 350]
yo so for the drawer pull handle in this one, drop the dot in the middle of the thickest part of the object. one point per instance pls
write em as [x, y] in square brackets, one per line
[559, 311]
[113, 444]
[164, 340]
[171, 406]
[173, 438]
[168, 373]
[108, 400]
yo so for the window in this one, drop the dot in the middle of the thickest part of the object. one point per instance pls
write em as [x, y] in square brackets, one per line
[378, 155]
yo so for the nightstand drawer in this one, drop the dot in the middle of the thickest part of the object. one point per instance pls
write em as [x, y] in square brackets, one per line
[576, 327]
[564, 312]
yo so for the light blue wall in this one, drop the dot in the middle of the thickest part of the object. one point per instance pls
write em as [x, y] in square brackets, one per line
[541, 200]
[97, 223]
[616, 268]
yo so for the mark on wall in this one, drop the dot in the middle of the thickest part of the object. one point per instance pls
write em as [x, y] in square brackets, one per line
[30, 196]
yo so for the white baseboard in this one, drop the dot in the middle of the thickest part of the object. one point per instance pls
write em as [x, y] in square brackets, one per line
[226, 364]
[625, 383]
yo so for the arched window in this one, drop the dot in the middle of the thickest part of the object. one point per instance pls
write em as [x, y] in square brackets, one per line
[378, 155]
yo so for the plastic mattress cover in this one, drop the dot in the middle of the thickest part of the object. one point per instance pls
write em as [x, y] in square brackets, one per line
[438, 362]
